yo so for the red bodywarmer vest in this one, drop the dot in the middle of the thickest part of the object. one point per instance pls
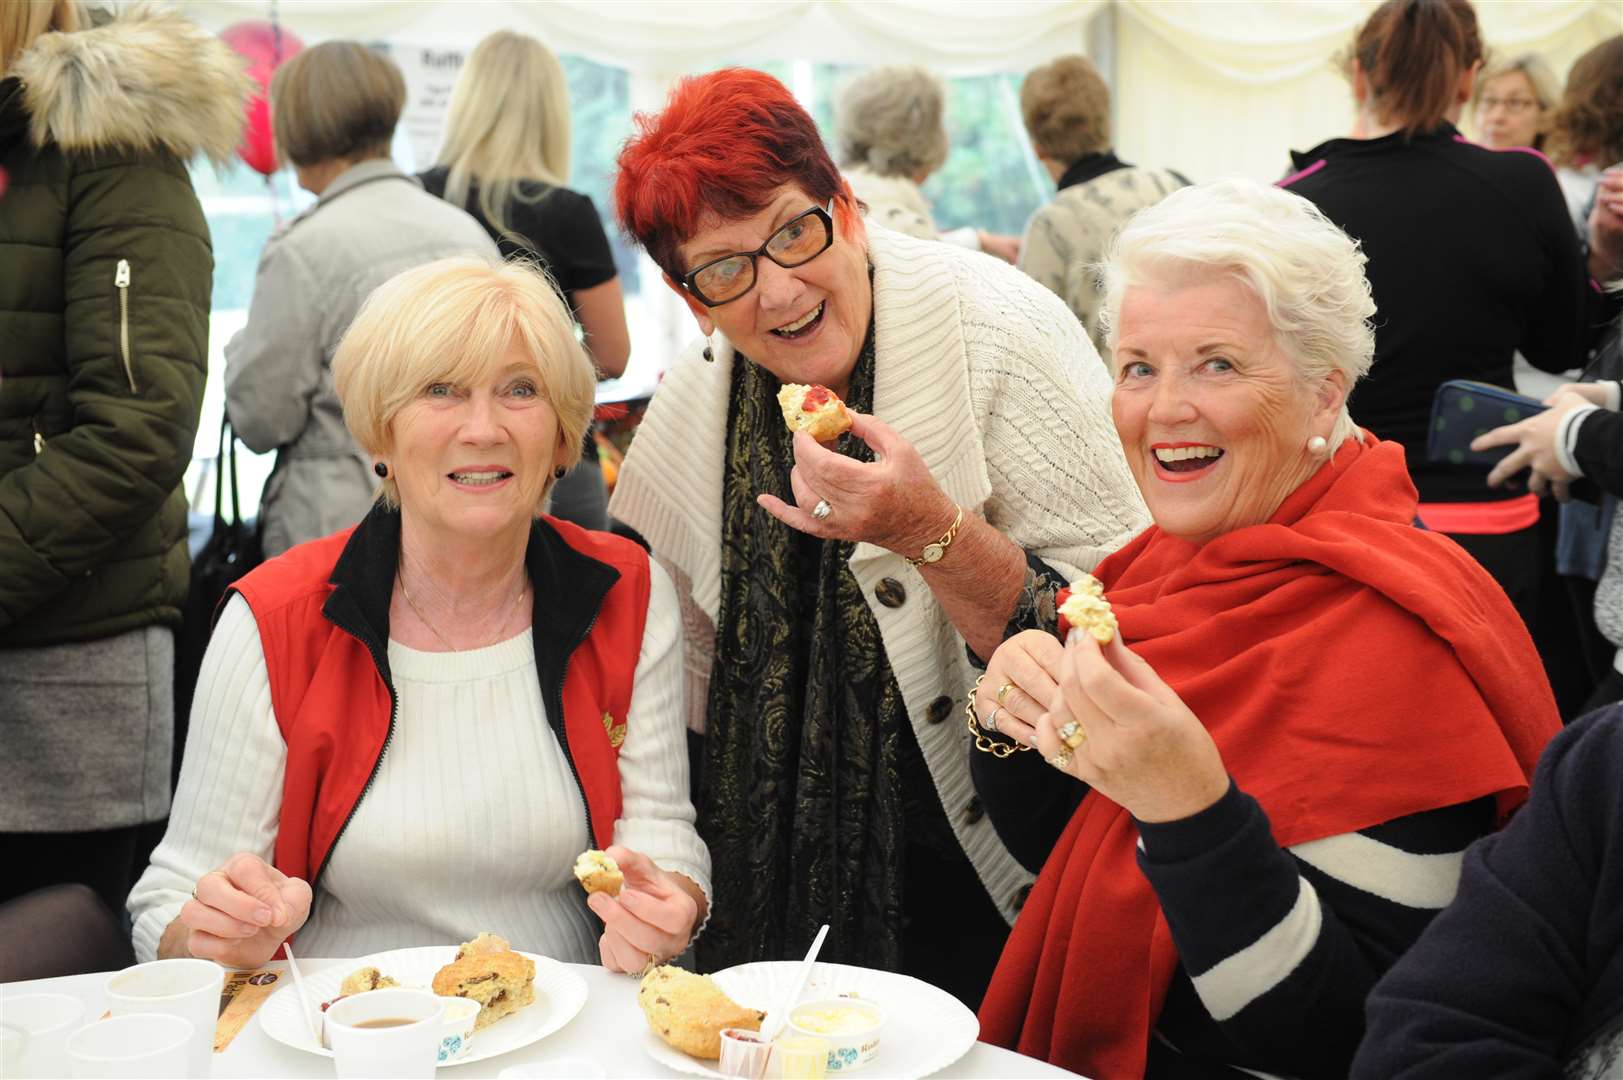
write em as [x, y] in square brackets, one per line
[322, 611]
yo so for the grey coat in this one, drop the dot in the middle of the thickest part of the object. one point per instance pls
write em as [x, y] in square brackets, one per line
[370, 224]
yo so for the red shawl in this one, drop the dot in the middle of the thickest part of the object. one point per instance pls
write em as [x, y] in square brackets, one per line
[1351, 668]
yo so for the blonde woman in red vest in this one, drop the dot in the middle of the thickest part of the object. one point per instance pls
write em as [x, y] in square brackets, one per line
[404, 733]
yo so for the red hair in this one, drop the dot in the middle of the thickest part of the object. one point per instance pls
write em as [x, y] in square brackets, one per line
[1414, 52]
[724, 144]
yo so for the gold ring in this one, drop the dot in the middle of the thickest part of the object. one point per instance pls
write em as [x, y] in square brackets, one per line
[1072, 734]
[1061, 759]
[1004, 689]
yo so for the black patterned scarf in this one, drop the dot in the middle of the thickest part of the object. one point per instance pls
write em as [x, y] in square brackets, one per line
[807, 743]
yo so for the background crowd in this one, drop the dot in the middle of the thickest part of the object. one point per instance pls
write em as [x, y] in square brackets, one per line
[785, 683]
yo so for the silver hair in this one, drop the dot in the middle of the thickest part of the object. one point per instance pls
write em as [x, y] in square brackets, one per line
[1308, 274]
[890, 121]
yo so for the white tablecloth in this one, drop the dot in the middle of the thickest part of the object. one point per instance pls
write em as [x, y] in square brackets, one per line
[599, 1032]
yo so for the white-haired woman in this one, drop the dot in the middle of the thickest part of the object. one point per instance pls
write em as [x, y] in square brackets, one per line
[505, 160]
[404, 733]
[1257, 792]
[890, 134]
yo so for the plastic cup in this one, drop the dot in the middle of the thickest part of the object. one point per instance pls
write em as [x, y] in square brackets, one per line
[408, 1050]
[45, 1021]
[186, 988]
[138, 1046]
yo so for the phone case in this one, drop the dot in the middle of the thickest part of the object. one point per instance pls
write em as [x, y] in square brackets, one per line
[1462, 410]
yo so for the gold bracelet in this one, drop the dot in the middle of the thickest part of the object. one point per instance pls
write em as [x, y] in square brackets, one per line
[996, 748]
[933, 552]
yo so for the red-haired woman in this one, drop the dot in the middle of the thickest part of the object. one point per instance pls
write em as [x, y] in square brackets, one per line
[1472, 256]
[830, 590]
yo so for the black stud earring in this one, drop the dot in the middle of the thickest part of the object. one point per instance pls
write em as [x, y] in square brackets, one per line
[381, 469]
[558, 473]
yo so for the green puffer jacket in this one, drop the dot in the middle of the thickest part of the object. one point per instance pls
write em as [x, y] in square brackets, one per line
[105, 276]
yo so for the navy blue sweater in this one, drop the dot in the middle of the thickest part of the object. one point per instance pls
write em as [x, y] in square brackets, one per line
[1522, 976]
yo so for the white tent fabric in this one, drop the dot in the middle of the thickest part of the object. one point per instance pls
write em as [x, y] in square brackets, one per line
[1212, 87]
[665, 38]
[1206, 86]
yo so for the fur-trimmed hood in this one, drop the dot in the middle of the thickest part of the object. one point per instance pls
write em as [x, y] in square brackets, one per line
[149, 78]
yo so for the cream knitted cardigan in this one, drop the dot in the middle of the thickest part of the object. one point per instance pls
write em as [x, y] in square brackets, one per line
[993, 381]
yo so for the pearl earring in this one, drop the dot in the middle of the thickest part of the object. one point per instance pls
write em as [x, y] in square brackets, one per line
[1316, 444]
[381, 469]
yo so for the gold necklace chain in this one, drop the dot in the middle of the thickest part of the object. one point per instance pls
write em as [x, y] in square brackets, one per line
[506, 615]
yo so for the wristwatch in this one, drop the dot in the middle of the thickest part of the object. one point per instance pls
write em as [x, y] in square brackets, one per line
[933, 552]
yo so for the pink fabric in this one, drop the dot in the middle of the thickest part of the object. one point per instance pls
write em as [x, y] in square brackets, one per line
[1309, 171]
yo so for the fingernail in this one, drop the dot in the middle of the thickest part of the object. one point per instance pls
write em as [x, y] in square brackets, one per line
[262, 916]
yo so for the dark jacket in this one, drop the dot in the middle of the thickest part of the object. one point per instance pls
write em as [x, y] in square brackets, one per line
[105, 277]
[1522, 976]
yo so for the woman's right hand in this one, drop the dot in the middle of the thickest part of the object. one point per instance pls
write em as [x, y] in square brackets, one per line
[1031, 663]
[240, 914]
[1593, 393]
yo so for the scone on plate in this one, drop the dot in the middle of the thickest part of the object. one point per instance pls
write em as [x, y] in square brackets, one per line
[815, 410]
[363, 979]
[689, 1011]
[598, 873]
[488, 971]
[1083, 606]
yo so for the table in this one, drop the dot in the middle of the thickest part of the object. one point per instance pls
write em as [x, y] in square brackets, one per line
[598, 1032]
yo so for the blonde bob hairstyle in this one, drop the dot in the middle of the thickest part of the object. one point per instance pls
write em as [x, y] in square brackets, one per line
[508, 123]
[454, 321]
[889, 121]
[1308, 274]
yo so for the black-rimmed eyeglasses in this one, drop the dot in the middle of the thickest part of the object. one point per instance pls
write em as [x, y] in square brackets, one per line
[802, 239]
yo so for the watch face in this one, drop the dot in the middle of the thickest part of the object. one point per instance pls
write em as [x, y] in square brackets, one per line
[931, 553]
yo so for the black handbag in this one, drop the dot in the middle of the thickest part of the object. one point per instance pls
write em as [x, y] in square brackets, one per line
[233, 549]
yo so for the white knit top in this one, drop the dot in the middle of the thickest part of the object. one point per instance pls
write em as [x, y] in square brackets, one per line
[473, 820]
[993, 381]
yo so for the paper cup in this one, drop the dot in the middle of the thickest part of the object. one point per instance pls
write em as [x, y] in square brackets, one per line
[408, 1050]
[188, 989]
[140, 1047]
[45, 1021]
[13, 1040]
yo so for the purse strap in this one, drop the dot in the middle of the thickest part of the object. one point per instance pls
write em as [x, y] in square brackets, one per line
[225, 462]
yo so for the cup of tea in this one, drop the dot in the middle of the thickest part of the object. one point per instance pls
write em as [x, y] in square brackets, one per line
[136, 1046]
[383, 1033]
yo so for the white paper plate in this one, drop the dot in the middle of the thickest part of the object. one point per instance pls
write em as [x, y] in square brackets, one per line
[559, 995]
[926, 1028]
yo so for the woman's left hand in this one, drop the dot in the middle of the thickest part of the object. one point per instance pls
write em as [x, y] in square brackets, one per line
[1140, 745]
[650, 921]
[892, 501]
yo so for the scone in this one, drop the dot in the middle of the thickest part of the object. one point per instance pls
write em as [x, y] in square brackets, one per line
[815, 410]
[1084, 606]
[363, 979]
[486, 970]
[689, 1011]
[598, 873]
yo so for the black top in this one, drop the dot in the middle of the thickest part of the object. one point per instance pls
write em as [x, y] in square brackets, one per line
[561, 225]
[1471, 256]
[1522, 976]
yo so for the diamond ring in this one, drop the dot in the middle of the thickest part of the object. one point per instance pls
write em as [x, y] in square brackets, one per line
[822, 510]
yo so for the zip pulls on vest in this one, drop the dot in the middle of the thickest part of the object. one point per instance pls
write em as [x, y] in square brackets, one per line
[121, 279]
